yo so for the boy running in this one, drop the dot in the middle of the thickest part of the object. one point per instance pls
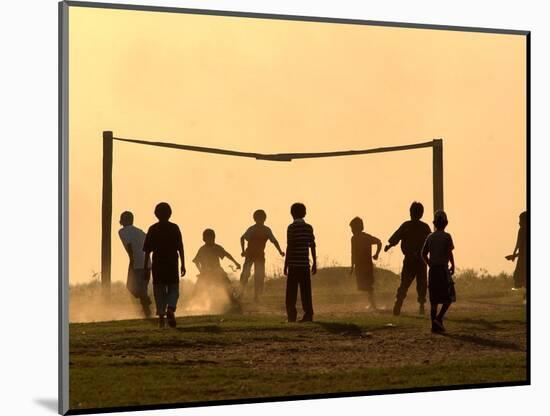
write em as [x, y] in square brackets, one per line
[412, 235]
[254, 255]
[211, 273]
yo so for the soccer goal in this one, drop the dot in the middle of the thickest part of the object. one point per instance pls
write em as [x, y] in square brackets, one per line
[107, 190]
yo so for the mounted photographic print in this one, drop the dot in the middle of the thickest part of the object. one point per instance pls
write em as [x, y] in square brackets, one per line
[263, 207]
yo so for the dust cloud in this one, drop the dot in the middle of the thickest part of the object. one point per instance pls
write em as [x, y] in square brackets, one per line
[88, 303]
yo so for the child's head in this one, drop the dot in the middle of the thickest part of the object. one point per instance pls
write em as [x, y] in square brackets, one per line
[298, 210]
[523, 219]
[416, 210]
[163, 211]
[208, 236]
[126, 218]
[440, 220]
[259, 216]
[356, 225]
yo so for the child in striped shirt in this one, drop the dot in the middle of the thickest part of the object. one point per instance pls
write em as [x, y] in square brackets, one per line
[300, 239]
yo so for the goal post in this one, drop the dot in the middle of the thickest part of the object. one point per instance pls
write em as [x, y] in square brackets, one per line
[437, 173]
[106, 209]
[107, 189]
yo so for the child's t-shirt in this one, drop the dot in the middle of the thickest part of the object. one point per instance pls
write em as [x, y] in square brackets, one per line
[438, 245]
[412, 235]
[361, 249]
[257, 236]
[135, 237]
[300, 239]
[209, 257]
[164, 240]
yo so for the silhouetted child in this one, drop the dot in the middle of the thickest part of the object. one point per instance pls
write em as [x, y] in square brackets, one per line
[438, 253]
[412, 235]
[165, 242]
[138, 278]
[520, 272]
[211, 273]
[257, 236]
[361, 258]
[300, 239]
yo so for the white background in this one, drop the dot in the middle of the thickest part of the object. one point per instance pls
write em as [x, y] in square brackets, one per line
[28, 164]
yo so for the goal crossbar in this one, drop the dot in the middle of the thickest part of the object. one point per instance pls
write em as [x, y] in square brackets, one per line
[278, 157]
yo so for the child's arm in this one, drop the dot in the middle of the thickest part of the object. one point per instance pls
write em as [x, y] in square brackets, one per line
[451, 256]
[128, 248]
[275, 243]
[147, 249]
[230, 257]
[277, 246]
[182, 258]
[425, 251]
[130, 252]
[314, 257]
[378, 247]
[285, 267]
[394, 239]
[513, 256]
[146, 259]
[352, 257]
[198, 264]
[181, 252]
[313, 247]
[243, 239]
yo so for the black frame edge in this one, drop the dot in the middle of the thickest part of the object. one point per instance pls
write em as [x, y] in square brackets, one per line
[274, 16]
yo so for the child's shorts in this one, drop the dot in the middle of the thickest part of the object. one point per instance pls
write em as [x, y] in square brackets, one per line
[365, 278]
[441, 285]
[138, 281]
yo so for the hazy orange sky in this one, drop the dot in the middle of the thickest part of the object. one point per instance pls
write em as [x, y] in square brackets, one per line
[267, 86]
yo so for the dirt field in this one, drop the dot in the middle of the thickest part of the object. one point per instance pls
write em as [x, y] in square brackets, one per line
[347, 348]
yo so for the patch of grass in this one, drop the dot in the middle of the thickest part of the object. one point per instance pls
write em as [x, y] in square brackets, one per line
[157, 383]
[257, 354]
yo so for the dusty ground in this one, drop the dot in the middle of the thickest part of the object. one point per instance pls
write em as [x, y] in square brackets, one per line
[258, 354]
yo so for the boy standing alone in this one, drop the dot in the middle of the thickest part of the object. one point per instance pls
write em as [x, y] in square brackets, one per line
[165, 242]
[254, 255]
[300, 239]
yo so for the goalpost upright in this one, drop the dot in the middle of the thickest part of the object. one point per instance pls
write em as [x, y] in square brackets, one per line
[107, 189]
[106, 209]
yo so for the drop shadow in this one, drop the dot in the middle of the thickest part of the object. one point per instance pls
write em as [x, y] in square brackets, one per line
[48, 404]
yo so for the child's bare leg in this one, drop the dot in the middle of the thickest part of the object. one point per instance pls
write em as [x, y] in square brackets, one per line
[371, 299]
[433, 311]
[437, 324]
[442, 312]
